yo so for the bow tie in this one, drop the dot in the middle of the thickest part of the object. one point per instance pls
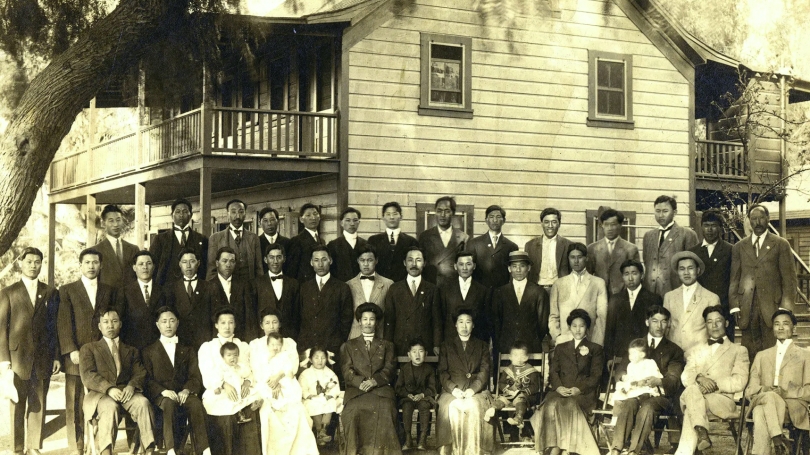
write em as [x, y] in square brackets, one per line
[718, 341]
[177, 229]
[369, 277]
[172, 340]
[277, 277]
[238, 231]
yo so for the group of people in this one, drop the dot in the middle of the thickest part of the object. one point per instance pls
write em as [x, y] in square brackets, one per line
[257, 341]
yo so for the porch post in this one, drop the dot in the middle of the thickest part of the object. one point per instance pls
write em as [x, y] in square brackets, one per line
[91, 220]
[205, 200]
[206, 114]
[51, 243]
[140, 215]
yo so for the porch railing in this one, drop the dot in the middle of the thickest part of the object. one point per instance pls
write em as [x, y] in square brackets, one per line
[718, 159]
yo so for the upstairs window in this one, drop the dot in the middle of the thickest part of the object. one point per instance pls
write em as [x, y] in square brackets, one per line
[610, 90]
[445, 76]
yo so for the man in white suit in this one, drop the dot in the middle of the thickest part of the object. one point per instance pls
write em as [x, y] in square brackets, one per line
[368, 286]
[686, 303]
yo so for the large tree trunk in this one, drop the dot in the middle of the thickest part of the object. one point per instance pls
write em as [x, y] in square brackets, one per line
[48, 108]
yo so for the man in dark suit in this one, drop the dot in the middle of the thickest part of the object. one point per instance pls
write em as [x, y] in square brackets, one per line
[344, 249]
[300, 251]
[763, 280]
[627, 311]
[392, 245]
[716, 256]
[174, 384]
[412, 308]
[269, 219]
[114, 377]
[662, 243]
[141, 298]
[80, 305]
[234, 293]
[548, 252]
[29, 347]
[118, 252]
[244, 243]
[635, 417]
[326, 311]
[441, 243]
[277, 291]
[492, 251]
[191, 299]
[167, 245]
[605, 256]
[468, 293]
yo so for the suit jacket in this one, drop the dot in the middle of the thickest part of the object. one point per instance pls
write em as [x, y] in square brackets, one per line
[625, 324]
[606, 266]
[28, 336]
[464, 368]
[378, 293]
[326, 316]
[526, 321]
[658, 277]
[344, 258]
[220, 239]
[580, 368]
[728, 367]
[408, 316]
[391, 260]
[794, 381]
[98, 372]
[165, 249]
[162, 375]
[265, 297]
[241, 302]
[138, 327]
[491, 263]
[415, 380]
[439, 260]
[670, 360]
[299, 256]
[194, 311]
[280, 240]
[114, 273]
[358, 364]
[450, 300]
[771, 277]
[534, 248]
[77, 319]
[564, 299]
[687, 328]
[717, 276]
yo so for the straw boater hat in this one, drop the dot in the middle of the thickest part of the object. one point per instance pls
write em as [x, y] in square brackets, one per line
[519, 256]
[686, 255]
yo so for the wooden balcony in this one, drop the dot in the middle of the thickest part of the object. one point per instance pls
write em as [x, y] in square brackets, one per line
[720, 160]
[214, 131]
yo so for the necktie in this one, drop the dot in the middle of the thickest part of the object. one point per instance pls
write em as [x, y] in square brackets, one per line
[369, 277]
[652, 344]
[118, 251]
[320, 284]
[718, 341]
[183, 236]
[495, 241]
[756, 244]
[392, 238]
[238, 239]
[317, 240]
[277, 277]
[146, 293]
[189, 288]
[116, 358]
[413, 287]
[661, 234]
[368, 344]
[464, 345]
[610, 247]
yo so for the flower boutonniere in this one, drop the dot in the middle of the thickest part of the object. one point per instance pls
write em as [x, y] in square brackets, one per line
[583, 350]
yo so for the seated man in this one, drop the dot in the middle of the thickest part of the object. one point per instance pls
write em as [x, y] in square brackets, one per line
[715, 371]
[773, 394]
[114, 377]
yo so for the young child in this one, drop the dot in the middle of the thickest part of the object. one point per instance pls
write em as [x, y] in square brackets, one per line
[217, 402]
[416, 389]
[638, 369]
[321, 392]
[287, 390]
[518, 384]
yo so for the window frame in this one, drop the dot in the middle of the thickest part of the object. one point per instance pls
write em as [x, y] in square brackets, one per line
[440, 110]
[606, 120]
[593, 232]
[464, 217]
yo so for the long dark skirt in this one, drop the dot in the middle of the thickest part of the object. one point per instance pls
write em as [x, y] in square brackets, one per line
[561, 423]
[369, 426]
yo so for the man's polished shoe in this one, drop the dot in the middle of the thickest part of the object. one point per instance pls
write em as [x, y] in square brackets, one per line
[703, 442]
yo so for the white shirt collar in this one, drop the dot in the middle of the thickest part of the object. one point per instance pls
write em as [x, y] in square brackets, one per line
[187, 226]
[112, 239]
[417, 279]
[194, 278]
[241, 228]
[761, 237]
[29, 283]
[549, 240]
[110, 340]
[323, 279]
[783, 344]
[172, 340]
[463, 282]
[88, 282]
[271, 238]
[705, 243]
[492, 234]
[350, 237]
[668, 226]
[271, 274]
[389, 231]
[225, 340]
[445, 231]
[142, 284]
[657, 339]
[467, 338]
[223, 279]
[689, 288]
[608, 241]
[311, 232]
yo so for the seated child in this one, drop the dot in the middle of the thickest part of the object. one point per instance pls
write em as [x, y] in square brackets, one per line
[321, 391]
[639, 368]
[518, 384]
[217, 402]
[416, 389]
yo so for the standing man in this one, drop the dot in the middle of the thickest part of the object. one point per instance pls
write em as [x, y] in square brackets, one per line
[277, 291]
[269, 219]
[234, 293]
[491, 252]
[520, 309]
[392, 245]
[606, 256]
[548, 252]
[763, 280]
[663, 243]
[300, 251]
[344, 249]
[468, 293]
[716, 256]
[243, 242]
[167, 246]
[191, 300]
[368, 286]
[80, 309]
[30, 348]
[687, 302]
[119, 253]
[141, 298]
[441, 243]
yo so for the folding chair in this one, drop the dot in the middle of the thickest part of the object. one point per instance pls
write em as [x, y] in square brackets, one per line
[434, 412]
[538, 360]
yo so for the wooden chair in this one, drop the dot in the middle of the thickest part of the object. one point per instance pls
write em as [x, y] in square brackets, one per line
[536, 359]
[125, 423]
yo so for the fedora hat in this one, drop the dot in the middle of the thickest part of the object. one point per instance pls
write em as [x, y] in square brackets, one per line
[673, 263]
[519, 256]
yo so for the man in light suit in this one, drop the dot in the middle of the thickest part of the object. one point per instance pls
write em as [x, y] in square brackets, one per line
[191, 300]
[779, 385]
[687, 302]
[299, 253]
[141, 298]
[441, 243]
[606, 256]
[277, 291]
[234, 293]
[491, 251]
[716, 256]
[393, 244]
[167, 246]
[242, 241]
[468, 293]
[368, 286]
[763, 279]
[344, 250]
[581, 290]
[714, 373]
[548, 253]
[269, 219]
[29, 347]
[114, 377]
[663, 243]
[118, 252]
